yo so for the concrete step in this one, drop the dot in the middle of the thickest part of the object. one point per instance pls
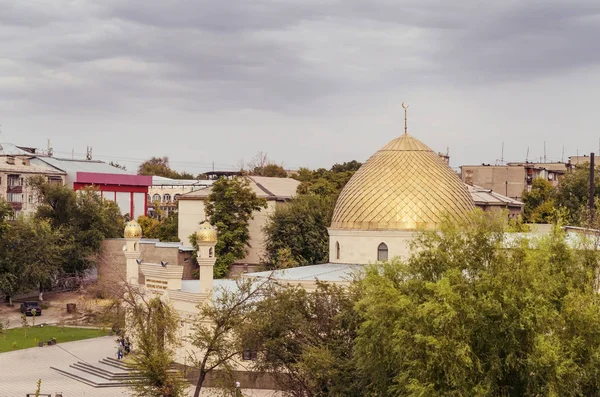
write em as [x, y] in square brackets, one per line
[89, 379]
[115, 363]
[93, 370]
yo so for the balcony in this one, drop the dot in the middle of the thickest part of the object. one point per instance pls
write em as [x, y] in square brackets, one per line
[14, 189]
[16, 206]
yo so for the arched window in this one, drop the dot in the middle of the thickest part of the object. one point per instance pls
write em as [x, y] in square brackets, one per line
[167, 198]
[210, 252]
[156, 197]
[382, 252]
[149, 199]
[337, 250]
[176, 197]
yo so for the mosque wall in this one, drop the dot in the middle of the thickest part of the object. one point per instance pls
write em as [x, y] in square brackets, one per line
[361, 246]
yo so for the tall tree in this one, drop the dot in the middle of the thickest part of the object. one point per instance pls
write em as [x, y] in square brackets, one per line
[574, 191]
[476, 312]
[159, 166]
[298, 231]
[229, 207]
[262, 165]
[539, 202]
[326, 182]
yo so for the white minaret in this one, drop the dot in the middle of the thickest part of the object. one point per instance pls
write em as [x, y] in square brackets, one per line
[206, 236]
[132, 234]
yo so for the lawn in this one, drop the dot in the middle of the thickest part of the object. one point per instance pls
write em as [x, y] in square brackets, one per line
[16, 339]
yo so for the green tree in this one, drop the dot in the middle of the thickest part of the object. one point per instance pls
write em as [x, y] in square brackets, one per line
[168, 229]
[229, 207]
[261, 165]
[150, 226]
[216, 331]
[305, 340]
[298, 231]
[159, 166]
[326, 182]
[477, 312]
[573, 194]
[539, 202]
[153, 327]
[117, 165]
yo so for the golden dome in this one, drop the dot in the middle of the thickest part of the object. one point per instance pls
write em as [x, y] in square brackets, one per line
[206, 233]
[132, 230]
[404, 186]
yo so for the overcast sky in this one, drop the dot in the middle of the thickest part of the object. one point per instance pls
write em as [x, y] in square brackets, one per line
[310, 82]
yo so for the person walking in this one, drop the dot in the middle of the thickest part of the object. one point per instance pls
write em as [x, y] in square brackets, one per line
[120, 351]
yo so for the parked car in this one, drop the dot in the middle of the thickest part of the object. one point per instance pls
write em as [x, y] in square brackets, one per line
[27, 307]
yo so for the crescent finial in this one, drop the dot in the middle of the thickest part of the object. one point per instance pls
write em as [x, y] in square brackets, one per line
[404, 105]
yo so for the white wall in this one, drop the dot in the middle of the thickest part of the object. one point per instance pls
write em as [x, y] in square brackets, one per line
[360, 246]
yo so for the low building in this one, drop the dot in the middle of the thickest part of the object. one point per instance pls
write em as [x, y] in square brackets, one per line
[165, 193]
[275, 190]
[129, 191]
[488, 200]
[14, 187]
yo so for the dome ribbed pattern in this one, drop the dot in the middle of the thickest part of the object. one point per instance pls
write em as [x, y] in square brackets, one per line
[404, 186]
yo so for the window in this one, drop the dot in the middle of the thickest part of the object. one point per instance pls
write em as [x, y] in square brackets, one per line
[156, 197]
[337, 250]
[15, 180]
[167, 198]
[149, 199]
[14, 197]
[30, 199]
[382, 252]
[249, 354]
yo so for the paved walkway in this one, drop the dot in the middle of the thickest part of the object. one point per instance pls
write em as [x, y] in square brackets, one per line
[21, 369]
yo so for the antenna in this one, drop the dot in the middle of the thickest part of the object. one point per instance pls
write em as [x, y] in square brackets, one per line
[544, 151]
[50, 151]
[405, 106]
[502, 155]
[527, 155]
[88, 155]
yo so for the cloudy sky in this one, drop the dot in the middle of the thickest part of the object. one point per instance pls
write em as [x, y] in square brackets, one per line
[310, 82]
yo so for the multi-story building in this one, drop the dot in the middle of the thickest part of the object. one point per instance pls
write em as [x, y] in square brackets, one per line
[512, 179]
[15, 172]
[165, 193]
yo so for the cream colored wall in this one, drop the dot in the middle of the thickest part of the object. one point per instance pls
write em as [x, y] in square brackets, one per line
[172, 190]
[191, 213]
[360, 246]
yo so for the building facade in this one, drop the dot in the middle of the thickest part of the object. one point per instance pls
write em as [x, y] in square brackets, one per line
[165, 193]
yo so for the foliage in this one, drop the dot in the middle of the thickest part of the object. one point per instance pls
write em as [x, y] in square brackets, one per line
[21, 340]
[83, 216]
[159, 166]
[296, 233]
[574, 191]
[466, 316]
[154, 331]
[539, 202]
[168, 229]
[149, 226]
[117, 165]
[326, 182]
[216, 329]
[229, 208]
[39, 386]
[261, 165]
[305, 340]
[33, 255]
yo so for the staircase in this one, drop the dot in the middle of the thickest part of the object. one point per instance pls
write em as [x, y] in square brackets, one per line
[108, 372]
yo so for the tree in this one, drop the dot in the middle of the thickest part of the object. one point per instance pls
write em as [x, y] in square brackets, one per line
[117, 165]
[573, 194]
[477, 312]
[217, 329]
[298, 231]
[154, 327]
[168, 229]
[539, 202]
[159, 166]
[149, 226]
[305, 340]
[261, 165]
[35, 253]
[229, 208]
[326, 182]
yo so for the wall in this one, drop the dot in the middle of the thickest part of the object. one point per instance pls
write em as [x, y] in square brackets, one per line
[360, 246]
[111, 266]
[191, 214]
[496, 178]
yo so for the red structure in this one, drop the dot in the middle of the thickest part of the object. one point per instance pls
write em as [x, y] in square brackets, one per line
[129, 191]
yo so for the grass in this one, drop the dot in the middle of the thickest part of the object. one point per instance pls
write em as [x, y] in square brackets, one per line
[16, 339]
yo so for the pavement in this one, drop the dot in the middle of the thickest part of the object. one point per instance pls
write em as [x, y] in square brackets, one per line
[21, 369]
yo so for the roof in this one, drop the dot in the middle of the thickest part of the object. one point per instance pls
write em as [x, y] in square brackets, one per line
[331, 272]
[28, 167]
[483, 196]
[162, 181]
[193, 286]
[74, 166]
[403, 186]
[269, 188]
[9, 149]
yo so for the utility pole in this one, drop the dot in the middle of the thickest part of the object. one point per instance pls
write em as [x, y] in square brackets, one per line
[592, 187]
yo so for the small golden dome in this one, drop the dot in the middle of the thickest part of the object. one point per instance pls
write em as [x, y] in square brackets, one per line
[206, 233]
[404, 186]
[132, 230]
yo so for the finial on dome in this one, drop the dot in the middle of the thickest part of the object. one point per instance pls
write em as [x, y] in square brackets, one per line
[206, 233]
[132, 230]
[405, 106]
